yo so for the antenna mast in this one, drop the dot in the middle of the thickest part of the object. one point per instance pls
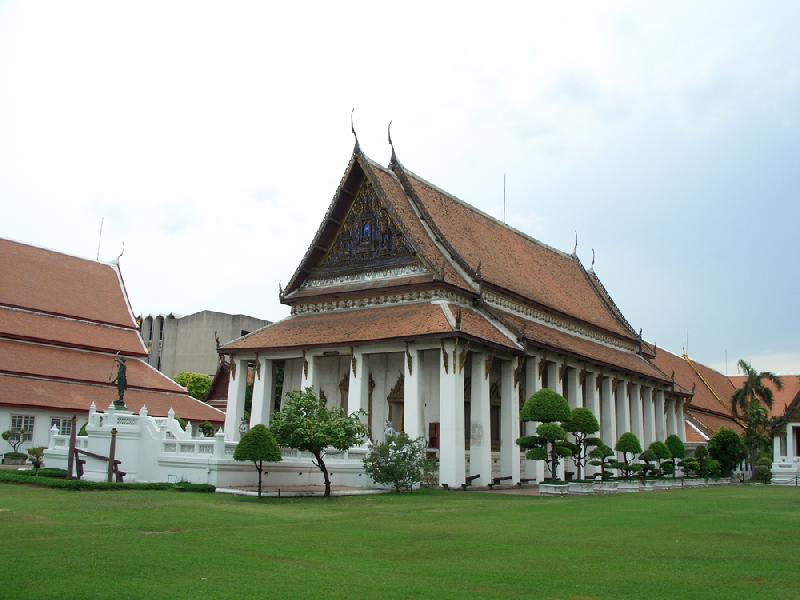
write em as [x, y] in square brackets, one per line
[99, 237]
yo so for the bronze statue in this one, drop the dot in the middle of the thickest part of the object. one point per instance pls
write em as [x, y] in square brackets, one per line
[122, 382]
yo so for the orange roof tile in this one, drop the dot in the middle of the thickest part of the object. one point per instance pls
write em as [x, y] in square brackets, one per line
[66, 363]
[349, 327]
[20, 324]
[781, 399]
[512, 261]
[60, 395]
[49, 281]
[550, 338]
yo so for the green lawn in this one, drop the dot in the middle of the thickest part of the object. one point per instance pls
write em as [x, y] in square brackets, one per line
[739, 542]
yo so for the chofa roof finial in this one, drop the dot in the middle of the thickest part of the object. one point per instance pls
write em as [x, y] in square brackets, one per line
[389, 132]
[592, 266]
[353, 129]
[575, 249]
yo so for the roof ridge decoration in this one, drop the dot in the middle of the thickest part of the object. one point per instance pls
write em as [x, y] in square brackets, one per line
[364, 163]
[708, 385]
[601, 291]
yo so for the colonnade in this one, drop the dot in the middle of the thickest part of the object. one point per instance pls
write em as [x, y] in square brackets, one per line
[621, 403]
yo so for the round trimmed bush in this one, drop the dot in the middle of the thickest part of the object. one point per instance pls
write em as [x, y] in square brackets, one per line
[546, 406]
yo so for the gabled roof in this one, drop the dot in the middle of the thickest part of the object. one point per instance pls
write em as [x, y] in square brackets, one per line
[461, 246]
[373, 324]
[711, 390]
[782, 400]
[63, 319]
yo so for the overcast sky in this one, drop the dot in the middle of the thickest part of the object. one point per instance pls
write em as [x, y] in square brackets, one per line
[211, 137]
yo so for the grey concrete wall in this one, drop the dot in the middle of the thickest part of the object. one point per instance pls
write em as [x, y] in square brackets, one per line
[188, 344]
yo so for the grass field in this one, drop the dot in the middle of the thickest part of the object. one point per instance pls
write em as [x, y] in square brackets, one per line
[739, 542]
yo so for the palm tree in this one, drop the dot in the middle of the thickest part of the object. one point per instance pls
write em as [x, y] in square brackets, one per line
[752, 401]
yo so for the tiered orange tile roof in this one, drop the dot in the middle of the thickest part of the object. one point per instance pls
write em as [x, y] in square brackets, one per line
[63, 319]
[782, 400]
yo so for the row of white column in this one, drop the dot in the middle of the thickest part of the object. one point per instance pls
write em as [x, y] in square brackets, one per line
[620, 406]
[650, 416]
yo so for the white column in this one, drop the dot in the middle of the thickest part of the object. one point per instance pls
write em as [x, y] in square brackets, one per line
[670, 408]
[623, 408]
[554, 383]
[357, 392]
[480, 444]
[509, 421]
[533, 383]
[681, 420]
[237, 385]
[573, 388]
[592, 402]
[263, 394]
[452, 468]
[637, 416]
[789, 442]
[649, 416]
[776, 448]
[661, 423]
[608, 426]
[412, 398]
[308, 378]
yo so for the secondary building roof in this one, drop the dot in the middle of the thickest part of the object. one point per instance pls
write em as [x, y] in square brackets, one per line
[782, 400]
[63, 320]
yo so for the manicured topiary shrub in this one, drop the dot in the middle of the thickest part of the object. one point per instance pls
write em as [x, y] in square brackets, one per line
[549, 443]
[81, 484]
[258, 445]
[581, 424]
[628, 444]
[763, 470]
[661, 453]
[602, 456]
[677, 450]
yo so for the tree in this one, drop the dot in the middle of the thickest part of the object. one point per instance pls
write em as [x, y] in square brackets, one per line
[206, 428]
[399, 461]
[259, 446]
[627, 444]
[661, 453]
[700, 463]
[728, 449]
[306, 424]
[549, 444]
[677, 450]
[648, 457]
[197, 384]
[581, 424]
[751, 402]
[763, 470]
[601, 457]
[15, 438]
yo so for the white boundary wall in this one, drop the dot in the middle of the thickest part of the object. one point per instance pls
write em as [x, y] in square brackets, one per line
[157, 449]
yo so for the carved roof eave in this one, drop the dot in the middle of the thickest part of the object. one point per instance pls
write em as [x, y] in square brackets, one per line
[358, 289]
[602, 292]
[488, 286]
[500, 349]
[364, 163]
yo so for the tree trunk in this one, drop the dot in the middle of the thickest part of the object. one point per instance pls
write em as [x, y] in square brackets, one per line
[324, 469]
[753, 459]
[259, 467]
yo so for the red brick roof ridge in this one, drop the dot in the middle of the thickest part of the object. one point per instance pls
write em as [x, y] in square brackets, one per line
[260, 329]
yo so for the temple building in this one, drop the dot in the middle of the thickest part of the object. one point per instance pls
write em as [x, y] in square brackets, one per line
[709, 408]
[435, 318]
[63, 321]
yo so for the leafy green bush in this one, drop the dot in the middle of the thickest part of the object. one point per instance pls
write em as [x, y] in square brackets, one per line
[206, 428]
[728, 448]
[399, 461]
[602, 457]
[581, 424]
[549, 443]
[54, 473]
[81, 484]
[763, 470]
[197, 384]
[15, 455]
[82, 431]
[546, 406]
[677, 450]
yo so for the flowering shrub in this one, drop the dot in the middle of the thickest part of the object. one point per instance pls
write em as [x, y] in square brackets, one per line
[399, 461]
